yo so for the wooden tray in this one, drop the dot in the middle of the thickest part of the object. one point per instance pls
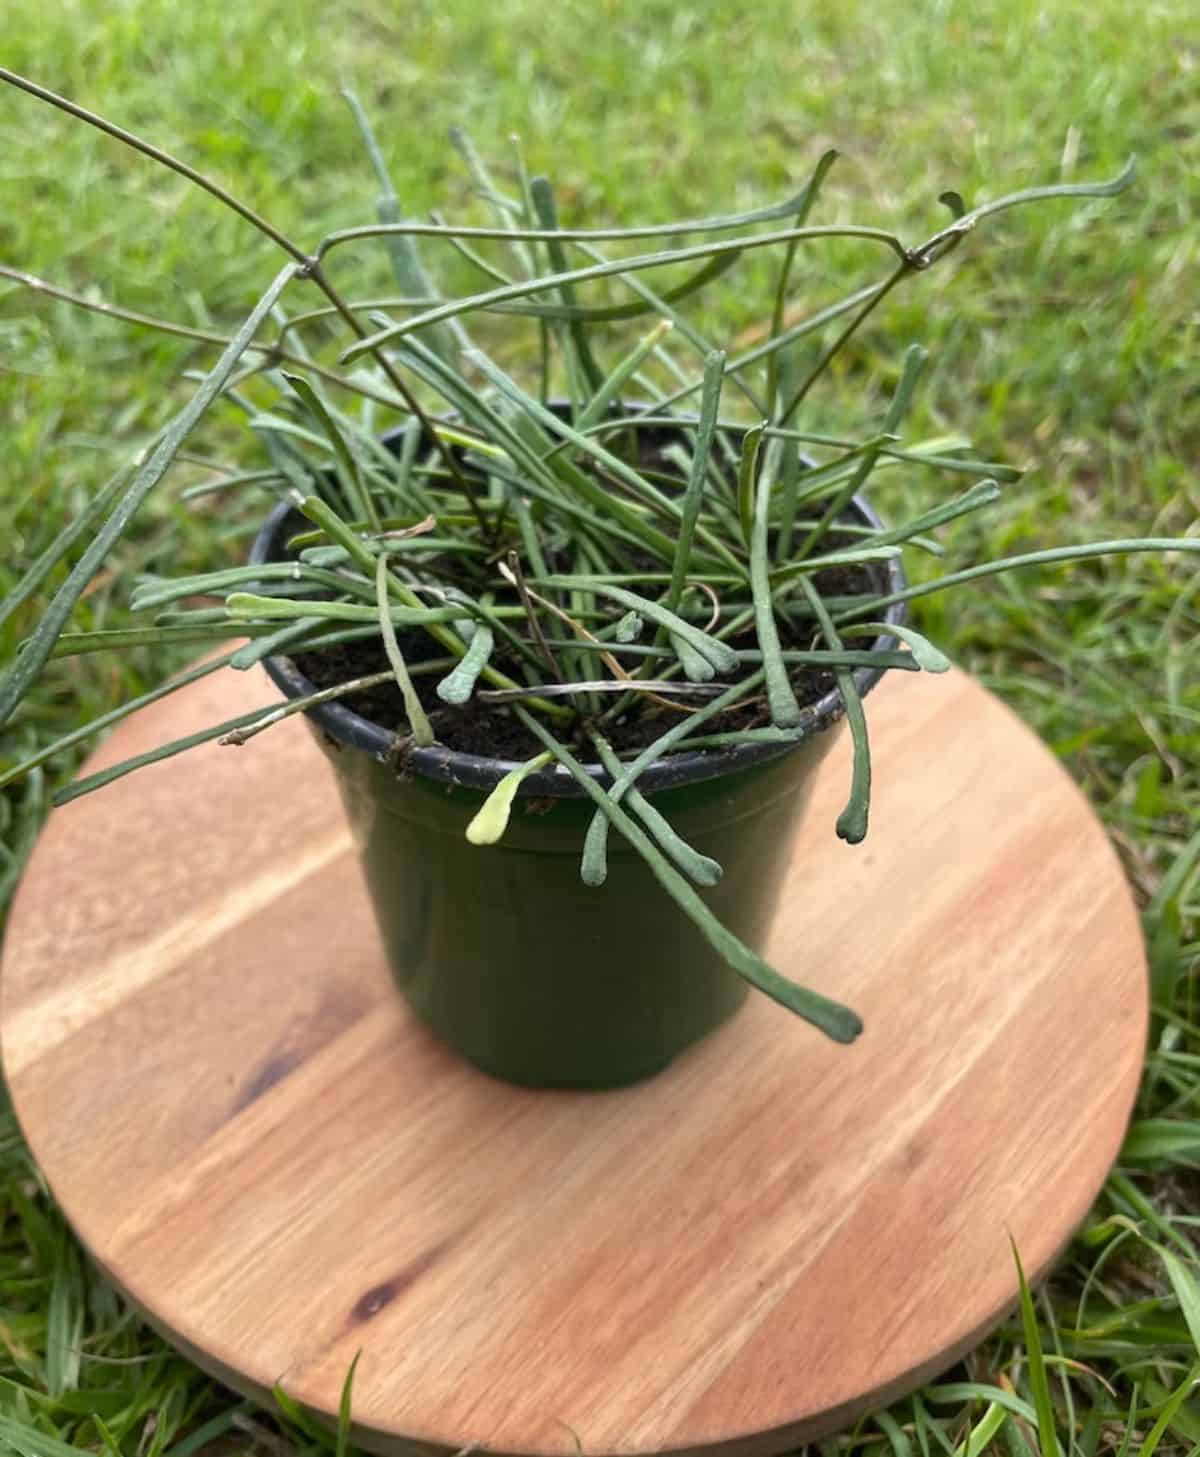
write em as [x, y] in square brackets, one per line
[280, 1169]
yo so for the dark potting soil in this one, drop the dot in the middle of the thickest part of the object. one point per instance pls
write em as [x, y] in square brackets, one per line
[492, 731]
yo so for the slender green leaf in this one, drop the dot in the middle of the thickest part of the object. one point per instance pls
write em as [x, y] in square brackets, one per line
[717, 655]
[700, 869]
[542, 196]
[836, 1021]
[710, 402]
[418, 721]
[610, 389]
[1087, 552]
[983, 1432]
[1157, 1140]
[930, 659]
[785, 711]
[18, 680]
[459, 684]
[804, 207]
[360, 496]
[746, 479]
[853, 820]
[613, 313]
[403, 254]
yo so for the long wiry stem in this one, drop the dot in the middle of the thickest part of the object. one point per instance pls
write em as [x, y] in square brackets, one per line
[310, 266]
[902, 270]
[165, 159]
[274, 354]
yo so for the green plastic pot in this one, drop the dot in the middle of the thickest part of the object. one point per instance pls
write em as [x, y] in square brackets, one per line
[502, 951]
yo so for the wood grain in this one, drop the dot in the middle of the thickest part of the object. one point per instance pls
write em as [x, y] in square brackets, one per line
[281, 1169]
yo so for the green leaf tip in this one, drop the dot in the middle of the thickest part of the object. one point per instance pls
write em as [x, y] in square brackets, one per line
[629, 628]
[458, 685]
[491, 819]
[852, 824]
[1035, 1357]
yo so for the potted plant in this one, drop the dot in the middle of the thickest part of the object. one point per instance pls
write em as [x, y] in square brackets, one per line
[623, 592]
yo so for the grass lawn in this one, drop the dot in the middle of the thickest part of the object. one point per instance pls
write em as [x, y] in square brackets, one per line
[1064, 341]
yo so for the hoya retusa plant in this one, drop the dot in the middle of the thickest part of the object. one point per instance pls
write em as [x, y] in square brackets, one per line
[514, 548]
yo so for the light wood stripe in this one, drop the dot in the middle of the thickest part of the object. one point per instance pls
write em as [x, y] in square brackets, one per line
[39, 1026]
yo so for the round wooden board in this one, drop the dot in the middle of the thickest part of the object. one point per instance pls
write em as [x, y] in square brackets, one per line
[280, 1169]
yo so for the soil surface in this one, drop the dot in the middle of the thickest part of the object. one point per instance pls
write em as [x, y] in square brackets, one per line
[491, 730]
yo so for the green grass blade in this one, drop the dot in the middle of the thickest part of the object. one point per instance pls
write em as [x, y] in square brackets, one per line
[897, 1438]
[1186, 1288]
[300, 1419]
[64, 1321]
[1169, 1412]
[983, 1432]
[342, 1439]
[1038, 1378]
[1175, 879]
[196, 1441]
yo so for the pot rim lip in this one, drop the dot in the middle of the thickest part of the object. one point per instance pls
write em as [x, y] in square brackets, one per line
[452, 767]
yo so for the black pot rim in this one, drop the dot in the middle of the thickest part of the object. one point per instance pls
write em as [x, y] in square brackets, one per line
[449, 766]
